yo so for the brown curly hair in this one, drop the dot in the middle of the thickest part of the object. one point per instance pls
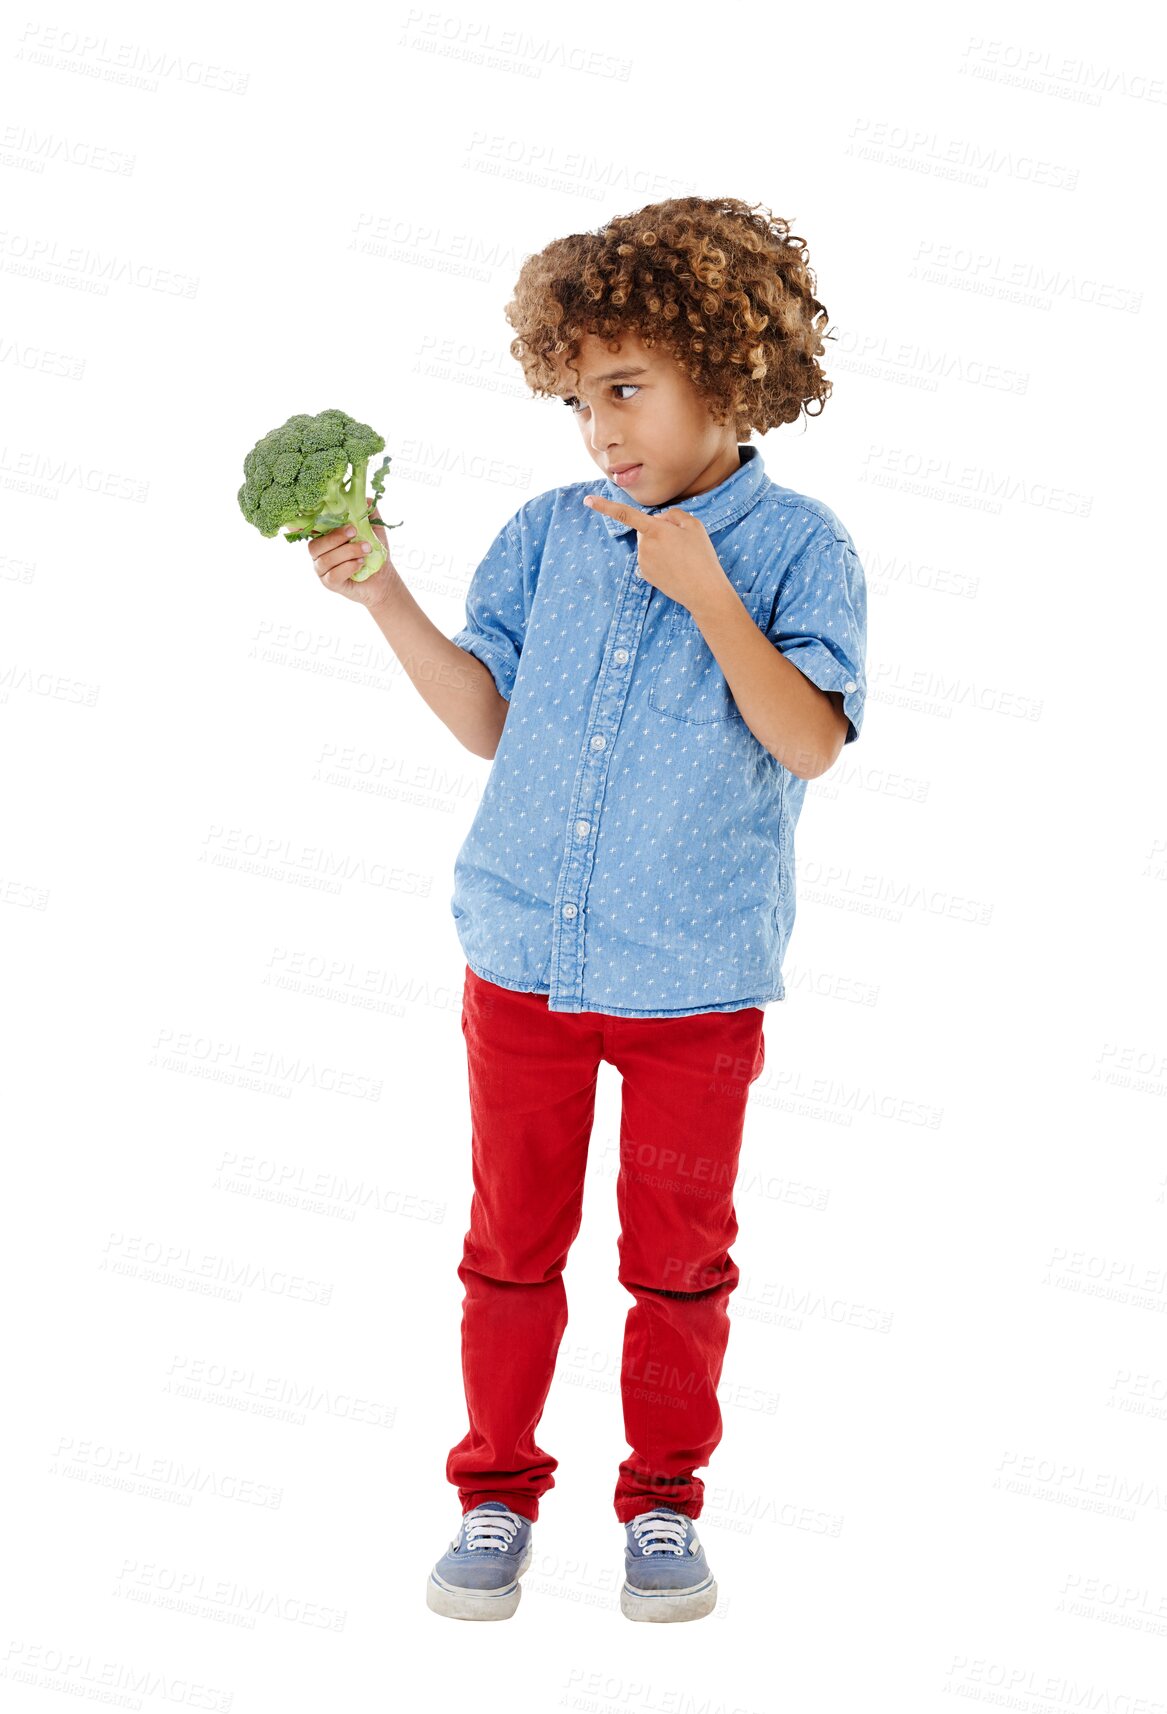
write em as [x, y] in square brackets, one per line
[729, 292]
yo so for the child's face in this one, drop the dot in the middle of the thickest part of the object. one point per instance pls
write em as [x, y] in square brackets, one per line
[656, 419]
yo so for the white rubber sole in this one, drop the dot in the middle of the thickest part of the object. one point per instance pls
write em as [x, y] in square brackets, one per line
[667, 1607]
[454, 1603]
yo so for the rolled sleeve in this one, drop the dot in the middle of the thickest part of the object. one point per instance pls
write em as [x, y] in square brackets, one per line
[496, 610]
[820, 622]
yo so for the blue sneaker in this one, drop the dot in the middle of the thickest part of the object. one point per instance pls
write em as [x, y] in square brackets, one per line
[478, 1575]
[665, 1573]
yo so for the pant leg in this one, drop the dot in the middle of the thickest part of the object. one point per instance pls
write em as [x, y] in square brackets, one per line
[532, 1079]
[686, 1082]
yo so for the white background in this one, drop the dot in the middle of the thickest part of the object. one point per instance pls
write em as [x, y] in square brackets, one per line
[237, 1158]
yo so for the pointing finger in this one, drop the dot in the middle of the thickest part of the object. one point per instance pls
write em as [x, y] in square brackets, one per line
[616, 509]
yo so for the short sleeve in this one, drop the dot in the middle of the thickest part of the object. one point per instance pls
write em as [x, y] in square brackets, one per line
[496, 610]
[820, 622]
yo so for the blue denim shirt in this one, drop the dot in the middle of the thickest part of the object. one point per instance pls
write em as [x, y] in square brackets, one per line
[633, 850]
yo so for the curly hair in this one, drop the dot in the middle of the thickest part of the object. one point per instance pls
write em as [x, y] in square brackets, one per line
[729, 292]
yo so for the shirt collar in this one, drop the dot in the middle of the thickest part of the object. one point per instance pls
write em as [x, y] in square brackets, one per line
[716, 507]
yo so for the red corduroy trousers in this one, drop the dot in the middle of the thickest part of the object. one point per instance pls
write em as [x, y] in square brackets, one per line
[533, 1074]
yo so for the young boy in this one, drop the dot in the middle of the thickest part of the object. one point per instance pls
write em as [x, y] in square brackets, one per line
[657, 661]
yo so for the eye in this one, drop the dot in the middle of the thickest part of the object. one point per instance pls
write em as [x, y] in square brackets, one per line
[617, 387]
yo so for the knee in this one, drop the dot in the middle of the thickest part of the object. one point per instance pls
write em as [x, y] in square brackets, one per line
[684, 1282]
[501, 1268]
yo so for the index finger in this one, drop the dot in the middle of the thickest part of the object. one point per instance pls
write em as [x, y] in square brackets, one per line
[334, 539]
[617, 509]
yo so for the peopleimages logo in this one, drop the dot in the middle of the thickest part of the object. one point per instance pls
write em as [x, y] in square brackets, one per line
[128, 64]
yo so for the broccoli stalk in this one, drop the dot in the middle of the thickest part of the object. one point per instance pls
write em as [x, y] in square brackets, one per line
[298, 481]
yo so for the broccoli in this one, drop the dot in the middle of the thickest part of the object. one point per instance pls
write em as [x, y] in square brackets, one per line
[295, 482]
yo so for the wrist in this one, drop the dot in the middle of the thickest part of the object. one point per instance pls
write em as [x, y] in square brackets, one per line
[714, 601]
[390, 592]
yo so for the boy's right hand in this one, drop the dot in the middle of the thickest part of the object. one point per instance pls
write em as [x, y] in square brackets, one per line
[337, 555]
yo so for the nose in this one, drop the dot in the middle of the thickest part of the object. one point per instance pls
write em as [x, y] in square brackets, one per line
[601, 433]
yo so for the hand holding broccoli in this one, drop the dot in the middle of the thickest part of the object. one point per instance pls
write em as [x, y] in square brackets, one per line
[298, 481]
[340, 556]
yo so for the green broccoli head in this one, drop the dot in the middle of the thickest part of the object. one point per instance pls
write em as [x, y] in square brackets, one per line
[297, 480]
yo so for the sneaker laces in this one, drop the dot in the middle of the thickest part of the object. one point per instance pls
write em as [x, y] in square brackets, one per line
[660, 1532]
[492, 1529]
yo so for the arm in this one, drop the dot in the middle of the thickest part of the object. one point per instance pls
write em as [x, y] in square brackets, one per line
[820, 616]
[801, 725]
[459, 688]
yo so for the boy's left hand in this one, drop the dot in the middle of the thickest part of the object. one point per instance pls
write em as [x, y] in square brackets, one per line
[675, 553]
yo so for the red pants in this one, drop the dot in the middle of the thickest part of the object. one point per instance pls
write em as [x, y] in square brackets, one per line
[533, 1079]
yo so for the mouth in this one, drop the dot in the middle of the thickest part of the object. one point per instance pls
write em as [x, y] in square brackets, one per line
[623, 474]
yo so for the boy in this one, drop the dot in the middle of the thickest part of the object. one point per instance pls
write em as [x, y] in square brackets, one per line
[657, 662]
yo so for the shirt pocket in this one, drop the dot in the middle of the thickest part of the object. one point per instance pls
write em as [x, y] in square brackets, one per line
[687, 683]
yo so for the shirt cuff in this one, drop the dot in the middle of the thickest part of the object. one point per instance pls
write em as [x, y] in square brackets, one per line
[822, 669]
[498, 661]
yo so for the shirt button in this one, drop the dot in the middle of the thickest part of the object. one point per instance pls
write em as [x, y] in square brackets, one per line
[850, 684]
[599, 741]
[620, 657]
[582, 828]
[569, 910]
